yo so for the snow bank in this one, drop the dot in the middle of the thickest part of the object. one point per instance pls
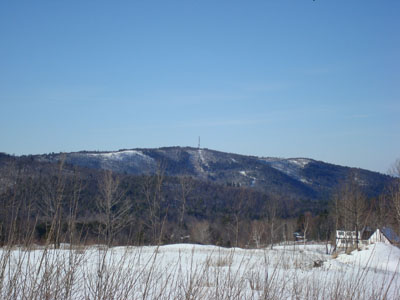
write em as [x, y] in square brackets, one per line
[378, 256]
[183, 271]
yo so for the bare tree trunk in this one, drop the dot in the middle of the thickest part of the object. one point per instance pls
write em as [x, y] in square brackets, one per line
[113, 206]
[73, 207]
[307, 219]
[272, 209]
[152, 189]
[395, 191]
[237, 212]
[186, 185]
[51, 203]
[396, 202]
[353, 207]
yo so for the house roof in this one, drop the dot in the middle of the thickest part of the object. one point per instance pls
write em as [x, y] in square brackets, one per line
[390, 234]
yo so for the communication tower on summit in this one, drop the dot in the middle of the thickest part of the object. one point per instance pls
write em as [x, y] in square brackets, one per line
[199, 143]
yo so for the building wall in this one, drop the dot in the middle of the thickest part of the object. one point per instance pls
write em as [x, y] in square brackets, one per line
[345, 238]
[378, 236]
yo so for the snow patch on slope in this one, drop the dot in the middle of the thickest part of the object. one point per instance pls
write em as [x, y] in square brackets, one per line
[292, 166]
[120, 155]
[301, 162]
[253, 179]
[200, 161]
[203, 161]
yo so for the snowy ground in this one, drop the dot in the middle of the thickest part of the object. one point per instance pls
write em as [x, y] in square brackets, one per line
[199, 272]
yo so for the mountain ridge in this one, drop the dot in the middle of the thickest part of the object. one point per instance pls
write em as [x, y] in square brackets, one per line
[301, 177]
[270, 158]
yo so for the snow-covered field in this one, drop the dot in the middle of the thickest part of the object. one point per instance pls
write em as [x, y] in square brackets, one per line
[199, 272]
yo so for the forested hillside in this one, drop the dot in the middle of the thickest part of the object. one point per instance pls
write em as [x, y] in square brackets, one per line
[171, 195]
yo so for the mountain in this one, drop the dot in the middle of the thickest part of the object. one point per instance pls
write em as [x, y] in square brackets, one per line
[220, 195]
[302, 178]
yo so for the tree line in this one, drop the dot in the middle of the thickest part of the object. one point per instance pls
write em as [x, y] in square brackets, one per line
[59, 203]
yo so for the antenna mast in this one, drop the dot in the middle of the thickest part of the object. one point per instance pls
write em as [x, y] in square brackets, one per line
[199, 143]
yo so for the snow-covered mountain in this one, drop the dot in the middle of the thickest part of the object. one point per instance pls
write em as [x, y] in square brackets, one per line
[303, 176]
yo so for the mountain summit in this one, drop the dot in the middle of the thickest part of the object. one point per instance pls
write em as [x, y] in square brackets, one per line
[299, 177]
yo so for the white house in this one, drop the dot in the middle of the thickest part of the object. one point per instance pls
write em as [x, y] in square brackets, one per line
[384, 235]
[346, 238]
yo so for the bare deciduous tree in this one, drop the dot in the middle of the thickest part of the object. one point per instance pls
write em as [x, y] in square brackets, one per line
[306, 224]
[272, 210]
[152, 189]
[394, 191]
[352, 206]
[186, 185]
[237, 214]
[74, 198]
[257, 232]
[395, 169]
[113, 206]
[200, 231]
[395, 196]
[51, 203]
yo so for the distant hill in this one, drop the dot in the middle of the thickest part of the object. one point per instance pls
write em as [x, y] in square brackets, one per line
[288, 177]
[223, 190]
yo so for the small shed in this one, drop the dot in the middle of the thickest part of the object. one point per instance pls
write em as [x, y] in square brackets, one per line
[347, 238]
[384, 235]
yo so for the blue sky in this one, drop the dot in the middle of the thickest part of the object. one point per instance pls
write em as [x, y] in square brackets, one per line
[300, 78]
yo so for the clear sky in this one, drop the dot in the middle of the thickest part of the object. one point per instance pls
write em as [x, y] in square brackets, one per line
[299, 78]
